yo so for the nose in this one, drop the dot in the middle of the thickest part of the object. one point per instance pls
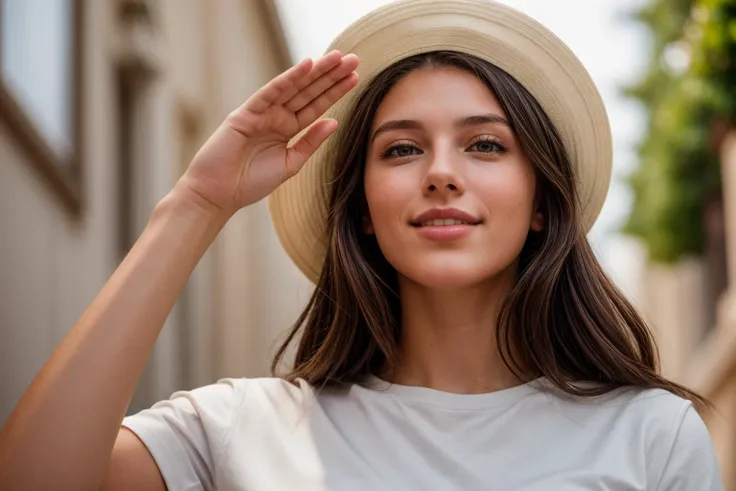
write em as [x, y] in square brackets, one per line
[444, 174]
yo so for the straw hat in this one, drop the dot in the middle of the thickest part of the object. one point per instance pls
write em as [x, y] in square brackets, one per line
[514, 42]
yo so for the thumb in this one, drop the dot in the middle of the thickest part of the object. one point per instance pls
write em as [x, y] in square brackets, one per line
[298, 154]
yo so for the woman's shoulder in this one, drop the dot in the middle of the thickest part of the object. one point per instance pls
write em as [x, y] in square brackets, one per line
[641, 400]
[645, 406]
[189, 433]
[253, 392]
[670, 421]
[677, 438]
[655, 416]
[664, 430]
[661, 419]
[661, 415]
[221, 403]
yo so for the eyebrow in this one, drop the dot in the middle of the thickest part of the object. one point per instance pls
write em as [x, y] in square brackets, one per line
[410, 124]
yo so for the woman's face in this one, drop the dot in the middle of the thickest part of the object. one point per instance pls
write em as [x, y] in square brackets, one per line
[449, 191]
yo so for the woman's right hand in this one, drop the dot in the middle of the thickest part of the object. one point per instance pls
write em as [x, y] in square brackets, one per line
[247, 157]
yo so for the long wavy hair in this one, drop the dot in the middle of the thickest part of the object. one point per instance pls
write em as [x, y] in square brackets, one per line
[564, 319]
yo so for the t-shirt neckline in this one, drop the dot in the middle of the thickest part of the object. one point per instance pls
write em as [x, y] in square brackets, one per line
[453, 400]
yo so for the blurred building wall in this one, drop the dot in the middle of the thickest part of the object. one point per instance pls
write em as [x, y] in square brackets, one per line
[155, 79]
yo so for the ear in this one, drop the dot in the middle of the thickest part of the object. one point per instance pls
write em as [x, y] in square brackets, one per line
[368, 225]
[537, 224]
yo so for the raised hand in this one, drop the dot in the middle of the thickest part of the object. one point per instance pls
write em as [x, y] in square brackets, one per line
[247, 157]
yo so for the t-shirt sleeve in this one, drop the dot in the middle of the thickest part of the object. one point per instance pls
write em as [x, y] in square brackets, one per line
[186, 433]
[692, 463]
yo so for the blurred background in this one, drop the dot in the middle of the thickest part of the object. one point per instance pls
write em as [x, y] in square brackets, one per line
[104, 102]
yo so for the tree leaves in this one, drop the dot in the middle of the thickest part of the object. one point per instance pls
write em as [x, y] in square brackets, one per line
[678, 173]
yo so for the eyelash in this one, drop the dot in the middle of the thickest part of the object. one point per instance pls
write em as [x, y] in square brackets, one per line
[500, 147]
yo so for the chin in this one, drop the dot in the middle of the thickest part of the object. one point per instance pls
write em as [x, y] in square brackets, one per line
[448, 274]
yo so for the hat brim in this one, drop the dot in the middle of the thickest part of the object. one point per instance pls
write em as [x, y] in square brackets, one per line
[509, 39]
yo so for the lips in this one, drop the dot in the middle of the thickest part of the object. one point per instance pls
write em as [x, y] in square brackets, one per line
[444, 217]
[443, 222]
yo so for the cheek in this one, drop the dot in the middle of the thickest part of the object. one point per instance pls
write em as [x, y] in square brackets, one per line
[508, 195]
[387, 198]
[509, 199]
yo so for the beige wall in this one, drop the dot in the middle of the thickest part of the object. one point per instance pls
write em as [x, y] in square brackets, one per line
[261, 292]
[206, 58]
[51, 265]
[676, 303]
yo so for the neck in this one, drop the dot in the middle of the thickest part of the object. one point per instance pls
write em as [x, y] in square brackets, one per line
[448, 339]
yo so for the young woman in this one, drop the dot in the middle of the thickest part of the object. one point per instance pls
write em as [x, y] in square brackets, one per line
[461, 335]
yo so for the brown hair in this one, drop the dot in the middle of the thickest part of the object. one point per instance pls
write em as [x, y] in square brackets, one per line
[564, 319]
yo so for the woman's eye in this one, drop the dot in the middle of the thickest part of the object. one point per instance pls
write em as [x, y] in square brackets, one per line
[488, 146]
[399, 151]
[404, 150]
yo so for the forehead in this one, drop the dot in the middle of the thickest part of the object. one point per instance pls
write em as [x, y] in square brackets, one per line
[429, 92]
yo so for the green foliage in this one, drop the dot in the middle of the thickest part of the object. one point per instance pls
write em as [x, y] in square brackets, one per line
[678, 172]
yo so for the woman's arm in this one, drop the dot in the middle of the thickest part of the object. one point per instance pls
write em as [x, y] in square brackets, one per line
[61, 434]
[132, 466]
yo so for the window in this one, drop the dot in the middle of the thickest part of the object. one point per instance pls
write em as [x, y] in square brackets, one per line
[39, 87]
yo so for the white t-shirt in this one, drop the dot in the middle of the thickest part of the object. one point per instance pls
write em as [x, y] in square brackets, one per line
[267, 434]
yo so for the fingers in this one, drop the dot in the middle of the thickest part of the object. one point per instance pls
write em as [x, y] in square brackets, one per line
[298, 154]
[321, 84]
[269, 93]
[321, 66]
[319, 106]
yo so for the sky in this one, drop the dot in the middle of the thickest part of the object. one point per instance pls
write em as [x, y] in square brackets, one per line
[612, 48]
